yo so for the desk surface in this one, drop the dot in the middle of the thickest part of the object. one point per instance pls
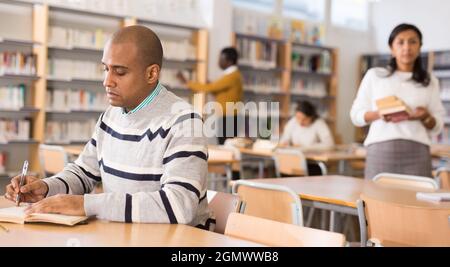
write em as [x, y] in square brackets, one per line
[345, 191]
[325, 156]
[333, 189]
[104, 233]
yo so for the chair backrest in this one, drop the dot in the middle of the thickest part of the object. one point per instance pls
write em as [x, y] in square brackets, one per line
[417, 182]
[273, 233]
[290, 162]
[442, 177]
[222, 204]
[52, 158]
[219, 153]
[404, 224]
[269, 201]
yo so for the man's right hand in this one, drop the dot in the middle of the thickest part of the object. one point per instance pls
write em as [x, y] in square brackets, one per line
[33, 189]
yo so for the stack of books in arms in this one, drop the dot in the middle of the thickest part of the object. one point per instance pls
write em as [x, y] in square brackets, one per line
[393, 107]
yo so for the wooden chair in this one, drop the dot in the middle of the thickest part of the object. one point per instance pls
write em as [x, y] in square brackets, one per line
[290, 162]
[411, 181]
[222, 204]
[220, 172]
[442, 177]
[404, 224]
[273, 233]
[273, 202]
[53, 159]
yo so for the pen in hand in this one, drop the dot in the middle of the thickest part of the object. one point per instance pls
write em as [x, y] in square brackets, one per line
[22, 180]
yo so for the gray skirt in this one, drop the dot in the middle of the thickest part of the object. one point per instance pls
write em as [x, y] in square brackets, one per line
[398, 156]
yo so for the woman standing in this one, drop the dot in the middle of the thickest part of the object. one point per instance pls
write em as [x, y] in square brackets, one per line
[400, 145]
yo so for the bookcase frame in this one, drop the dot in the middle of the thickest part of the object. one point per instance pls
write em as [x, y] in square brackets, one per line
[285, 97]
[40, 45]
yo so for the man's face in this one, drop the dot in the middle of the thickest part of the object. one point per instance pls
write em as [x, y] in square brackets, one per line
[223, 61]
[125, 78]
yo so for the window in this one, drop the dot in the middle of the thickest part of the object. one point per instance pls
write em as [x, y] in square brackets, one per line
[313, 10]
[259, 5]
[353, 14]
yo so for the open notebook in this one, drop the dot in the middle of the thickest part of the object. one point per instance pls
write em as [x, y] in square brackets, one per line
[17, 215]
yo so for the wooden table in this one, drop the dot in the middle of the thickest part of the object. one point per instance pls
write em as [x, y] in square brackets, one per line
[340, 154]
[104, 233]
[341, 193]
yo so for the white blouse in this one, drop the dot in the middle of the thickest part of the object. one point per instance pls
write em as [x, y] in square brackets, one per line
[315, 136]
[376, 85]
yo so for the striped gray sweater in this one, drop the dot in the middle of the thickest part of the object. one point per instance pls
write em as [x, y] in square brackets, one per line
[152, 165]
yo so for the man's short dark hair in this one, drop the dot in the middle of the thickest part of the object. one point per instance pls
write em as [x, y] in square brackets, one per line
[231, 54]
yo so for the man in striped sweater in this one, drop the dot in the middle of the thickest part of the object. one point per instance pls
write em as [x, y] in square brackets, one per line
[147, 149]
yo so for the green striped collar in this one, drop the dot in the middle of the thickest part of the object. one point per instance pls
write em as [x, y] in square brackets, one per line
[146, 101]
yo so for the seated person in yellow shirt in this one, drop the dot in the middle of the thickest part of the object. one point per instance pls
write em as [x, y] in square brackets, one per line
[228, 88]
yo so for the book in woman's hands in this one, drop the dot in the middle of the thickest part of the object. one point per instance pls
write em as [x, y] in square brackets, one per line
[17, 215]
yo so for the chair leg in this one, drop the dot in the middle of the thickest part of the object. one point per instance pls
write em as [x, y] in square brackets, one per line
[310, 216]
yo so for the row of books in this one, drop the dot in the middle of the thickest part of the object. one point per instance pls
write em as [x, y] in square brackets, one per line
[66, 69]
[110, 6]
[245, 21]
[320, 63]
[178, 50]
[65, 132]
[258, 54]
[312, 88]
[13, 62]
[14, 130]
[168, 77]
[442, 59]
[69, 37]
[76, 100]
[262, 83]
[2, 162]
[445, 90]
[304, 32]
[251, 22]
[147, 8]
[12, 97]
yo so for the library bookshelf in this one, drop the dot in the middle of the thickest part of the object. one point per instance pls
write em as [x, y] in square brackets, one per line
[65, 93]
[437, 63]
[285, 71]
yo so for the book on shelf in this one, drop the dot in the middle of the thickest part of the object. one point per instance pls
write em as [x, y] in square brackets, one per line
[76, 100]
[178, 50]
[17, 215]
[258, 54]
[66, 132]
[2, 162]
[17, 63]
[14, 130]
[70, 69]
[12, 97]
[69, 38]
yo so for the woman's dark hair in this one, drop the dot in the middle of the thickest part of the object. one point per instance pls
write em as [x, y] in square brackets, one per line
[231, 54]
[420, 74]
[308, 109]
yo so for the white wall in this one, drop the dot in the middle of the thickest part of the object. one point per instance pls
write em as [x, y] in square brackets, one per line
[351, 45]
[220, 25]
[431, 16]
